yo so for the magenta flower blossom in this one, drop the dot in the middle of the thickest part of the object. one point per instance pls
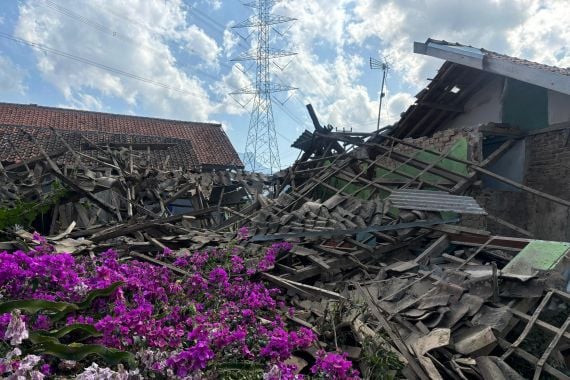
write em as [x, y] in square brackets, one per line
[243, 233]
[218, 276]
[192, 359]
[268, 261]
[334, 366]
[189, 322]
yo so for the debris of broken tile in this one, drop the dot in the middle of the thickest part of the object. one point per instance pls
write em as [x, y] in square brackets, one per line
[443, 297]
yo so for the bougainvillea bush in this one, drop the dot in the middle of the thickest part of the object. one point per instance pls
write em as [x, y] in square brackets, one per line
[102, 317]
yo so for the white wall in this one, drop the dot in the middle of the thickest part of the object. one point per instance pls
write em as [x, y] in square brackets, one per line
[558, 107]
[483, 107]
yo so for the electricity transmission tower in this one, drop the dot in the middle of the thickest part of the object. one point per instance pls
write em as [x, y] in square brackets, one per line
[261, 145]
[376, 64]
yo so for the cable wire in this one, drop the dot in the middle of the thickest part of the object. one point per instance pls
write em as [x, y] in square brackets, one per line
[90, 62]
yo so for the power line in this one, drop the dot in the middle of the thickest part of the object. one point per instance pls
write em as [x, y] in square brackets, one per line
[108, 30]
[90, 62]
[115, 34]
[261, 144]
[220, 28]
[138, 43]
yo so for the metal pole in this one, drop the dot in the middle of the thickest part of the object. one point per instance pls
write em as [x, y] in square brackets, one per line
[376, 64]
[381, 96]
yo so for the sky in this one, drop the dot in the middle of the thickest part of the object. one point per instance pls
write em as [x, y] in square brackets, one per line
[173, 58]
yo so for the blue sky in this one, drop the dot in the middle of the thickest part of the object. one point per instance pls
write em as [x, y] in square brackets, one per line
[188, 47]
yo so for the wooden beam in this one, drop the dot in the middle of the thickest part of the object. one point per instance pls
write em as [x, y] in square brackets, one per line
[540, 194]
[465, 183]
[443, 107]
[533, 360]
[503, 222]
[435, 248]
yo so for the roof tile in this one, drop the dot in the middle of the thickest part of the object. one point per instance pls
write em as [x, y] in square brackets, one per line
[201, 136]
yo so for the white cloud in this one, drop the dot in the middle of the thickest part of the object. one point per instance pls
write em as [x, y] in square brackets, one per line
[11, 77]
[533, 29]
[234, 81]
[201, 44]
[394, 105]
[330, 84]
[214, 4]
[84, 101]
[544, 35]
[230, 41]
[319, 21]
[331, 37]
[137, 39]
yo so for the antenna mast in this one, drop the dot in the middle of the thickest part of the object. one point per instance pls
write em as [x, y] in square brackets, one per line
[261, 148]
[376, 64]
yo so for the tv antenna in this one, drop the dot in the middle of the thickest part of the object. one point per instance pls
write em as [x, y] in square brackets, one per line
[376, 64]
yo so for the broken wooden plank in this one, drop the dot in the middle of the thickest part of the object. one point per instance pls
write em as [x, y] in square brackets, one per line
[551, 346]
[530, 323]
[393, 334]
[503, 222]
[341, 232]
[159, 263]
[532, 360]
[435, 248]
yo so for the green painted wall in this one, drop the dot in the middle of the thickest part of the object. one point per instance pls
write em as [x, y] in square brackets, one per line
[458, 150]
[525, 105]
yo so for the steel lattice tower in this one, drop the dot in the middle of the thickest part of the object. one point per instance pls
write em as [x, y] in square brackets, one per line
[261, 145]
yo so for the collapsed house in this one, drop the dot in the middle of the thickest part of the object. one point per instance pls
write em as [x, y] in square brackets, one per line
[394, 244]
[63, 161]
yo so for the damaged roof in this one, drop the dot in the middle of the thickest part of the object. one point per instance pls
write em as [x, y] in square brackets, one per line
[550, 77]
[201, 136]
[465, 71]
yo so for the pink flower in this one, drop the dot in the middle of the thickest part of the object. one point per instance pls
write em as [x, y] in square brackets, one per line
[334, 366]
[243, 233]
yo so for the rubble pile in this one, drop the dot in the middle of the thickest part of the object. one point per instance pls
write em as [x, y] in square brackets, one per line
[382, 267]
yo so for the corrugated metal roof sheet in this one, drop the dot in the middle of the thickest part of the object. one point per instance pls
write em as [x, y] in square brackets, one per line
[428, 200]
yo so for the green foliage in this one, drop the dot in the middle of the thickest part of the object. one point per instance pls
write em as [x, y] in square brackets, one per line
[94, 294]
[35, 306]
[61, 308]
[24, 213]
[88, 331]
[78, 351]
[240, 371]
[48, 342]
[380, 363]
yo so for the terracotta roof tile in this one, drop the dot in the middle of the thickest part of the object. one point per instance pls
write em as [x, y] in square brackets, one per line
[172, 154]
[201, 136]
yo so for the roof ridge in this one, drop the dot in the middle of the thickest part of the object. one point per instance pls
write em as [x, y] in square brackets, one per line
[511, 57]
[73, 110]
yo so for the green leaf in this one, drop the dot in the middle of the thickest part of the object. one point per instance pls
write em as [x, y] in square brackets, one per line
[38, 338]
[94, 294]
[88, 331]
[34, 306]
[91, 296]
[78, 351]
[239, 366]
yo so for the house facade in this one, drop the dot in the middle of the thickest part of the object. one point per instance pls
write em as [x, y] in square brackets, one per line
[485, 99]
